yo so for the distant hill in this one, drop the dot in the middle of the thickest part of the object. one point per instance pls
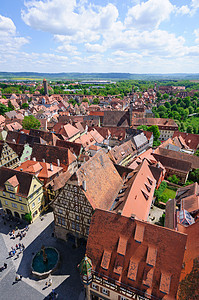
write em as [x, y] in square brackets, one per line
[104, 76]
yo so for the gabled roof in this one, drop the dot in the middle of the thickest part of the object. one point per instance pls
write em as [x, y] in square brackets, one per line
[24, 180]
[49, 137]
[172, 163]
[183, 157]
[116, 119]
[74, 147]
[51, 154]
[22, 138]
[192, 140]
[136, 195]
[119, 153]
[100, 180]
[144, 263]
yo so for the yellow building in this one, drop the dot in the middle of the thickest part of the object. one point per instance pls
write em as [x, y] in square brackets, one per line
[21, 193]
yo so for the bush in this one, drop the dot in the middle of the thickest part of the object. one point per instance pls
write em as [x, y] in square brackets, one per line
[174, 179]
[28, 217]
[161, 189]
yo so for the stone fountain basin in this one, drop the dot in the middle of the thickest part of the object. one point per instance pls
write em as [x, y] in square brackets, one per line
[42, 270]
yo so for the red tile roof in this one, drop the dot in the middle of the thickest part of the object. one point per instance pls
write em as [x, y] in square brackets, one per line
[192, 140]
[163, 277]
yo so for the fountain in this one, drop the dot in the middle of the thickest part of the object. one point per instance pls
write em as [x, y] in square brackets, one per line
[45, 262]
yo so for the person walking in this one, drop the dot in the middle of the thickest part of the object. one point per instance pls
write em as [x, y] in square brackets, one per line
[5, 266]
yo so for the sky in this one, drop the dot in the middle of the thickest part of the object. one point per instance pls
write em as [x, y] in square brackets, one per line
[125, 36]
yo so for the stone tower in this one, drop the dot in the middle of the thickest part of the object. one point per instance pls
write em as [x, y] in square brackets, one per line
[45, 85]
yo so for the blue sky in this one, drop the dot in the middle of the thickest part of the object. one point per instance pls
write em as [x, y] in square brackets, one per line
[154, 36]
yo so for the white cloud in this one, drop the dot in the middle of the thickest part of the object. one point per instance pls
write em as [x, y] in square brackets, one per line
[95, 48]
[196, 32]
[183, 10]
[149, 15]
[10, 42]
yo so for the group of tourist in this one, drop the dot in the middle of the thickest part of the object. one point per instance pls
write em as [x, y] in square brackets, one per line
[19, 247]
[21, 234]
[4, 267]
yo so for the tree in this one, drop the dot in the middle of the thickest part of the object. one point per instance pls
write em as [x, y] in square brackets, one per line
[165, 96]
[25, 105]
[188, 287]
[85, 100]
[189, 129]
[143, 127]
[194, 176]
[196, 153]
[30, 122]
[155, 130]
[3, 109]
[174, 179]
[96, 101]
[167, 105]
[10, 106]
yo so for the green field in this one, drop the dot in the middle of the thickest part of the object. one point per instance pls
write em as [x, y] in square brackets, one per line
[168, 194]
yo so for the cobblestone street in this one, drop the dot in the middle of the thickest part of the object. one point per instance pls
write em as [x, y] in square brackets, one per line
[65, 281]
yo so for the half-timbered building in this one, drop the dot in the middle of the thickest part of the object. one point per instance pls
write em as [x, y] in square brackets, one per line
[94, 185]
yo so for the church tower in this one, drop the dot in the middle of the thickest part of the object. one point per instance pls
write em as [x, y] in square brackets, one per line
[45, 85]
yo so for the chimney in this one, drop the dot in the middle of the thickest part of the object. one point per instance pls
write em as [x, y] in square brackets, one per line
[58, 162]
[14, 141]
[43, 159]
[84, 185]
[51, 167]
[34, 159]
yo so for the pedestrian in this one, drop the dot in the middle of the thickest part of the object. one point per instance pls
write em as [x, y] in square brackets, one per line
[50, 282]
[20, 277]
[5, 266]
[16, 246]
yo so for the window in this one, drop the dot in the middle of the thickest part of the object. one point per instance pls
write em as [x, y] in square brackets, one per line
[39, 200]
[77, 227]
[14, 205]
[73, 225]
[77, 218]
[123, 298]
[10, 188]
[76, 208]
[60, 211]
[6, 202]
[89, 221]
[4, 193]
[104, 291]
[12, 196]
[20, 198]
[59, 220]
[34, 186]
[63, 221]
[95, 286]
[33, 205]
[22, 208]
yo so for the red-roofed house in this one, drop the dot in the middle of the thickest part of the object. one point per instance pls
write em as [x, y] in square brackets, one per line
[133, 259]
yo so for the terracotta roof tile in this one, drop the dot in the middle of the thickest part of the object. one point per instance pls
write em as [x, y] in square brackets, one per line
[132, 269]
[165, 282]
[106, 260]
[122, 243]
[151, 256]
[13, 181]
[139, 232]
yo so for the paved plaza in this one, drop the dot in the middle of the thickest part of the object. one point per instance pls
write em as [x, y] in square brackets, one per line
[65, 281]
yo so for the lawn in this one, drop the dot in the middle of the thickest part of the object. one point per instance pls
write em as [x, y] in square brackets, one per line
[168, 194]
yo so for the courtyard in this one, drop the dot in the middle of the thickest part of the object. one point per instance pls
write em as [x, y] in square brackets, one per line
[65, 281]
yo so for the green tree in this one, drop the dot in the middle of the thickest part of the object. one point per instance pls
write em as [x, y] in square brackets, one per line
[194, 176]
[155, 130]
[10, 106]
[188, 287]
[85, 100]
[143, 127]
[30, 122]
[174, 179]
[96, 101]
[25, 105]
[165, 96]
[196, 153]
[189, 129]
[167, 105]
[3, 109]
